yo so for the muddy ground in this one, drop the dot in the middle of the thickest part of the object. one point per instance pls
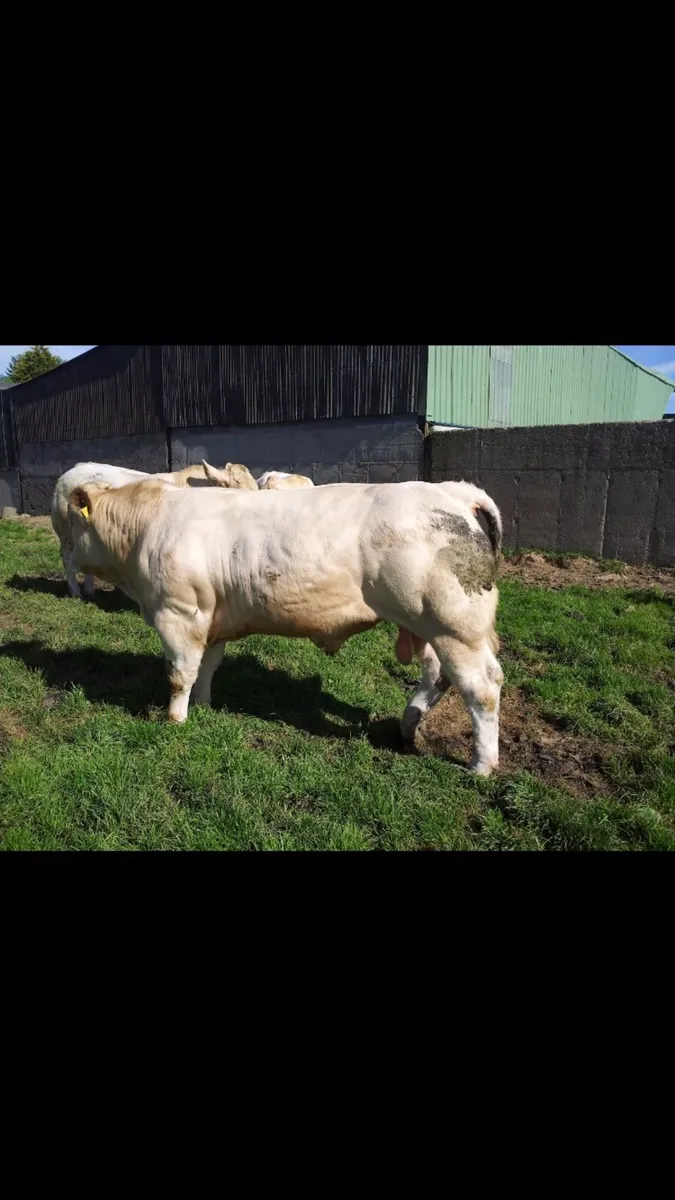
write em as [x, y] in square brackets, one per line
[561, 571]
[527, 742]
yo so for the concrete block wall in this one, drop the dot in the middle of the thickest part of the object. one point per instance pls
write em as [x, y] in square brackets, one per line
[605, 490]
[10, 490]
[598, 489]
[360, 450]
[41, 464]
[349, 450]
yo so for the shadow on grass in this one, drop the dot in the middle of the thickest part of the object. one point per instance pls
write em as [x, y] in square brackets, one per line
[646, 596]
[55, 585]
[138, 681]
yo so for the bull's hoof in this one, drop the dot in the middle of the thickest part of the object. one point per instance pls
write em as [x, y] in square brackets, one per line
[409, 722]
[329, 648]
[482, 768]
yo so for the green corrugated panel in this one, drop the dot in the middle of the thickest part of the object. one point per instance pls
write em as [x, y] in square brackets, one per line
[560, 367]
[630, 379]
[579, 386]
[439, 384]
[458, 384]
[531, 404]
[550, 385]
[592, 369]
[525, 375]
[620, 384]
[470, 384]
[578, 399]
[595, 395]
[522, 371]
[569, 383]
[651, 397]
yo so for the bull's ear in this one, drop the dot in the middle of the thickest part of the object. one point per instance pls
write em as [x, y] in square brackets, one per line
[211, 473]
[81, 500]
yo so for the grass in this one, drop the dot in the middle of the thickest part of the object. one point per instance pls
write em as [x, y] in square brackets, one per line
[299, 751]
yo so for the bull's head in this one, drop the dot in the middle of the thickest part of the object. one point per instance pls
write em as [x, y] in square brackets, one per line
[82, 511]
[83, 499]
[233, 475]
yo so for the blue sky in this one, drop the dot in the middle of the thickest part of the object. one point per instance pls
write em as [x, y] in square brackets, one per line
[659, 358]
[6, 353]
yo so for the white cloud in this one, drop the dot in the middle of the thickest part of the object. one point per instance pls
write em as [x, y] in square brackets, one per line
[667, 368]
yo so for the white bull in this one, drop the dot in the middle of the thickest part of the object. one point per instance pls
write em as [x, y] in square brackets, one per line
[234, 475]
[322, 563]
[274, 480]
[113, 476]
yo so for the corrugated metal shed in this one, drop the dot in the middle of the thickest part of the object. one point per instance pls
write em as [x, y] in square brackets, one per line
[112, 391]
[540, 385]
[458, 384]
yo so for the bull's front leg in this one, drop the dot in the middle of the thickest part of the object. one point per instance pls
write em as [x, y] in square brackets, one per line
[184, 651]
[70, 564]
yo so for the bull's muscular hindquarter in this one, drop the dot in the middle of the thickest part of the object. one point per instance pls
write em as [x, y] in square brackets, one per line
[322, 563]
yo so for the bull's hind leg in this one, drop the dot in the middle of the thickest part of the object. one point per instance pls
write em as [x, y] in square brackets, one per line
[213, 656]
[478, 678]
[427, 693]
[184, 651]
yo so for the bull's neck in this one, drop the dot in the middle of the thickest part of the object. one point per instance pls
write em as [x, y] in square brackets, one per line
[119, 525]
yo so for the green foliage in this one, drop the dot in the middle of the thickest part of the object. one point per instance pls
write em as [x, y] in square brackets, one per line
[32, 363]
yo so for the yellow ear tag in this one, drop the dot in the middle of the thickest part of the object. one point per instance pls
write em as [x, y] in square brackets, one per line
[85, 512]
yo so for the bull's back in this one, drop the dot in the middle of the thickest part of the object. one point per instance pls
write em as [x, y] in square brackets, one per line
[182, 478]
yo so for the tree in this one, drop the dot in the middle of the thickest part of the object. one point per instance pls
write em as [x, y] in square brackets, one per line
[32, 363]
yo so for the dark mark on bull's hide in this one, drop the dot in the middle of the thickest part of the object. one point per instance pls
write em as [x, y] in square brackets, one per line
[470, 553]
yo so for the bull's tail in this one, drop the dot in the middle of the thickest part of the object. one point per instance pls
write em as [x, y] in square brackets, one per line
[493, 519]
[477, 499]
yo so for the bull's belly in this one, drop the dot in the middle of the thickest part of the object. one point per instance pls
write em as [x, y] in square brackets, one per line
[326, 616]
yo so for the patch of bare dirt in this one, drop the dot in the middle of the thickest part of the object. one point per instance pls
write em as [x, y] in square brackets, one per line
[527, 742]
[561, 572]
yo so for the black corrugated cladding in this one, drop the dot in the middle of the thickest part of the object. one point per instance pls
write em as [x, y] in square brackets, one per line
[257, 385]
[106, 392]
[8, 457]
[115, 390]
